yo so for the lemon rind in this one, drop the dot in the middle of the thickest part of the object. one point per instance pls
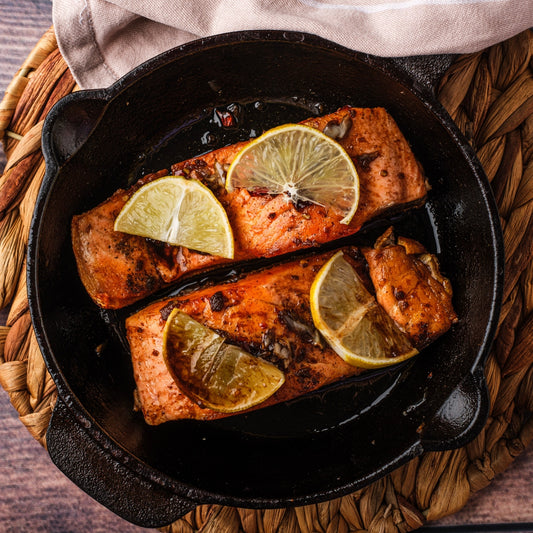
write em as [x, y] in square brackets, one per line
[206, 403]
[346, 354]
[302, 127]
[229, 245]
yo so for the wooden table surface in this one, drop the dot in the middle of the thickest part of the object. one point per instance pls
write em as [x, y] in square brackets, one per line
[38, 497]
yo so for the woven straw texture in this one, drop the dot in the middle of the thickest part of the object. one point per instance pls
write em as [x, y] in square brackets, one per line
[490, 96]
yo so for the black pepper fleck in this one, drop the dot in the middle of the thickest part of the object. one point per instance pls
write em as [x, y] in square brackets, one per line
[217, 301]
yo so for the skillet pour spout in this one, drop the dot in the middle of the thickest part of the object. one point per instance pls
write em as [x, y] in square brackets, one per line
[165, 111]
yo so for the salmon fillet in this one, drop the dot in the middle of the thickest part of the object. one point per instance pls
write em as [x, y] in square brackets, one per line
[409, 285]
[268, 314]
[263, 312]
[118, 269]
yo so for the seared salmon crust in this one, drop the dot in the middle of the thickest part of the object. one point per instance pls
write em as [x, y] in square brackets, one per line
[118, 269]
[268, 313]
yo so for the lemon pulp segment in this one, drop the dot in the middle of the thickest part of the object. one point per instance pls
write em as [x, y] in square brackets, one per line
[301, 162]
[217, 375]
[181, 212]
[352, 322]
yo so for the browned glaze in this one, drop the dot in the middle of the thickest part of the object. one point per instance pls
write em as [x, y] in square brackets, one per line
[410, 287]
[268, 313]
[119, 269]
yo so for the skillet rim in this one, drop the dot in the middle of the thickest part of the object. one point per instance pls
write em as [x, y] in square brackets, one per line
[421, 92]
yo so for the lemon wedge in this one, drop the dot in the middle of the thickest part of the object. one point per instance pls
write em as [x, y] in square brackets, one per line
[220, 376]
[351, 321]
[303, 163]
[181, 212]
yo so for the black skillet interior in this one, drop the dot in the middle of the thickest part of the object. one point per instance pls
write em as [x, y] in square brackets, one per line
[316, 447]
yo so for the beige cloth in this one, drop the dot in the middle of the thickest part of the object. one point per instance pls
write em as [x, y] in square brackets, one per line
[101, 40]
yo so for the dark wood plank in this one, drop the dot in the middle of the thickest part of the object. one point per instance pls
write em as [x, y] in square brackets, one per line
[36, 496]
[22, 23]
[508, 499]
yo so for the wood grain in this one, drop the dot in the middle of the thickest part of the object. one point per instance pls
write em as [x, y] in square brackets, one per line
[37, 497]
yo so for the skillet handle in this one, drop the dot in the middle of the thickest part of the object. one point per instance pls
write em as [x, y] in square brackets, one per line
[425, 71]
[107, 480]
[462, 416]
[69, 123]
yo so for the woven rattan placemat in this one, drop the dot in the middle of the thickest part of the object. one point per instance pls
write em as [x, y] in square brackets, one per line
[490, 96]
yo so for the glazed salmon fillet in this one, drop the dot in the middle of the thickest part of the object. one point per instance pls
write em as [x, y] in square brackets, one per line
[268, 314]
[118, 269]
[408, 284]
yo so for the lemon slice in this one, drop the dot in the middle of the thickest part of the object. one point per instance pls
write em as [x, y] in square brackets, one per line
[181, 212]
[351, 320]
[220, 376]
[301, 162]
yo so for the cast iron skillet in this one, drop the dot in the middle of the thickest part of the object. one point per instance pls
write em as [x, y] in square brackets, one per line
[312, 449]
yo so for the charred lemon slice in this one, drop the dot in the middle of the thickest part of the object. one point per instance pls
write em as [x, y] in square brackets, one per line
[303, 163]
[351, 320]
[181, 212]
[220, 376]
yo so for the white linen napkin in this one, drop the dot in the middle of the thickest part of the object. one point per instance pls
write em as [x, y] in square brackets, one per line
[101, 40]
